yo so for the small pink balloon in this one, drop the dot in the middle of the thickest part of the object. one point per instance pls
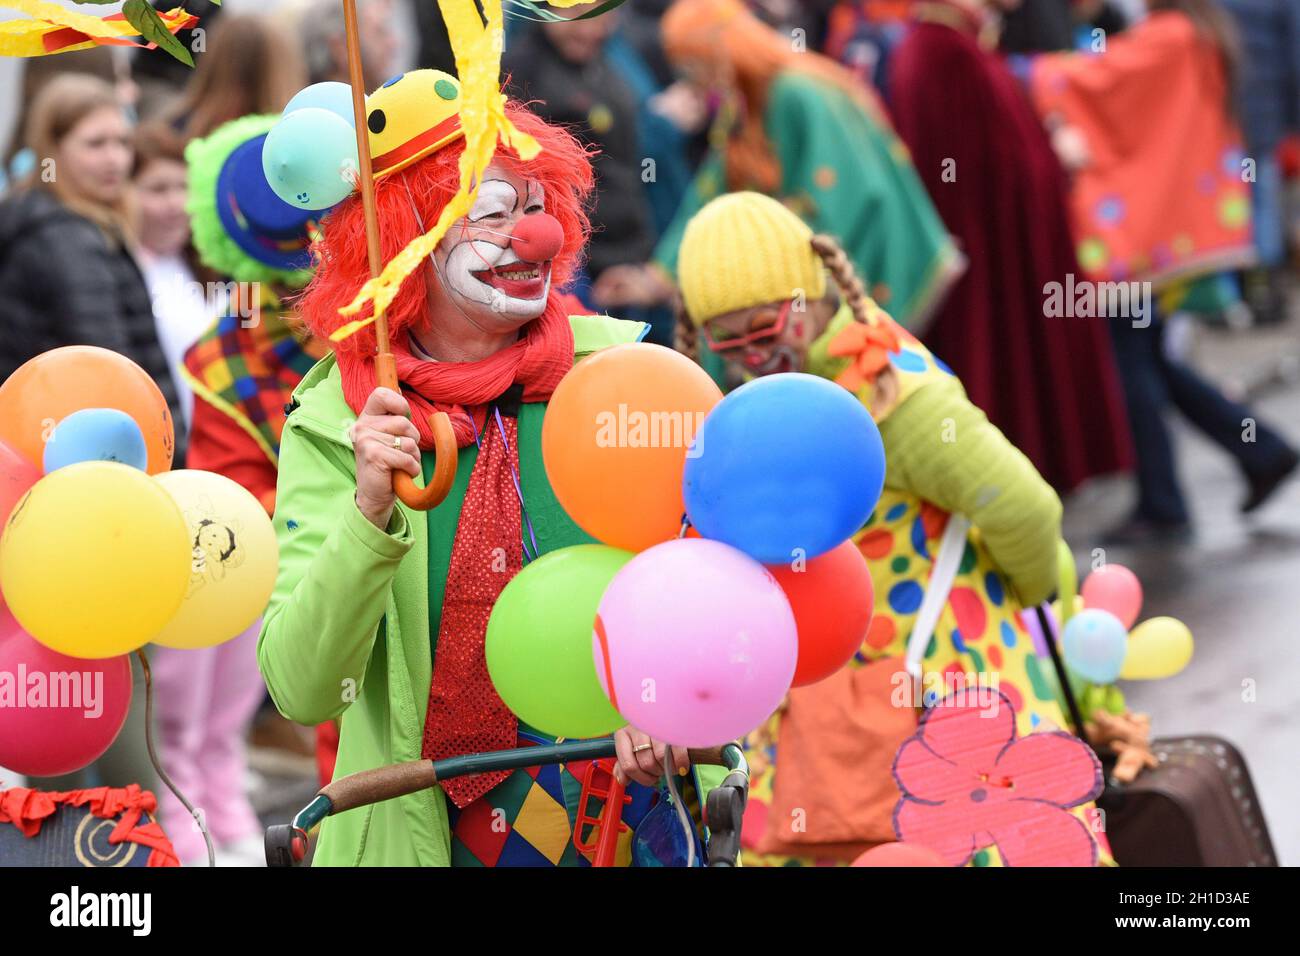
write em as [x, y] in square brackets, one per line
[1114, 588]
[57, 713]
[900, 854]
[695, 642]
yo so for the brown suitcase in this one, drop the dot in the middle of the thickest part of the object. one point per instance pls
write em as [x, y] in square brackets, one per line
[1198, 808]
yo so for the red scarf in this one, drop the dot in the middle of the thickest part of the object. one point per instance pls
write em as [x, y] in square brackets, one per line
[462, 389]
[465, 714]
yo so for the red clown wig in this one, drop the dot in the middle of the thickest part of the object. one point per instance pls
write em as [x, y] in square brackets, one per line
[563, 167]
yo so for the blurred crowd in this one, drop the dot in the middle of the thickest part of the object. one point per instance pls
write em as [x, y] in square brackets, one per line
[969, 156]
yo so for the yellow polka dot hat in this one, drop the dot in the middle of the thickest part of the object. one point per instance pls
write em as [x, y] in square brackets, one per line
[745, 249]
[411, 116]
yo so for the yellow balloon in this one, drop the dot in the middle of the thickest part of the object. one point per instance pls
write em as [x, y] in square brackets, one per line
[1158, 647]
[94, 559]
[233, 559]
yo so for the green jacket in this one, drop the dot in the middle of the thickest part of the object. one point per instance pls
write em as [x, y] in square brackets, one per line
[347, 630]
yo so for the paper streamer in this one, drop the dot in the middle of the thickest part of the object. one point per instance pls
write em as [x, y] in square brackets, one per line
[56, 29]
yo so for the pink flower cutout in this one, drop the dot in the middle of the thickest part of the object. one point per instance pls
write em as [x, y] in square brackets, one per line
[968, 782]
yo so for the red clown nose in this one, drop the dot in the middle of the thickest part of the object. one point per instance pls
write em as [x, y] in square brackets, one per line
[537, 238]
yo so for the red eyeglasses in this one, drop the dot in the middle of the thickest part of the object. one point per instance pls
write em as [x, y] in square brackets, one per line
[761, 335]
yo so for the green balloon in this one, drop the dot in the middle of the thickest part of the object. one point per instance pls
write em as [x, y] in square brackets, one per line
[538, 642]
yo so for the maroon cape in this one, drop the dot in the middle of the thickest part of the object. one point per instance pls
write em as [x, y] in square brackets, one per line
[1050, 384]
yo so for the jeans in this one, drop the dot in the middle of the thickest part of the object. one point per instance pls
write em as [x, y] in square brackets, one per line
[1268, 206]
[1151, 382]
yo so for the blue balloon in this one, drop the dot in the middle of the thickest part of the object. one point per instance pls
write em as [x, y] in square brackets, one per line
[786, 466]
[96, 434]
[330, 95]
[310, 158]
[1094, 645]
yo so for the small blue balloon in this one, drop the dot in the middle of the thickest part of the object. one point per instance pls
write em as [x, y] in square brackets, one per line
[330, 95]
[785, 467]
[96, 434]
[310, 158]
[1094, 645]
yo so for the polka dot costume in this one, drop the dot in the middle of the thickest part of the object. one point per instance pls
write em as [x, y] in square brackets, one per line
[980, 631]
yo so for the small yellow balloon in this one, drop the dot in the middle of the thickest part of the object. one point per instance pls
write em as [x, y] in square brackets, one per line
[1158, 647]
[94, 559]
[233, 559]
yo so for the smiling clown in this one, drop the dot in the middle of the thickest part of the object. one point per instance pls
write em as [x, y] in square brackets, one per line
[380, 611]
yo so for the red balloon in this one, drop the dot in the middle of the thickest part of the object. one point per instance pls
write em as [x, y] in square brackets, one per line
[832, 598]
[17, 474]
[900, 854]
[57, 713]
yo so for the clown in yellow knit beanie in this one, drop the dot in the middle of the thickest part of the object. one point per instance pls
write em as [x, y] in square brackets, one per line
[746, 249]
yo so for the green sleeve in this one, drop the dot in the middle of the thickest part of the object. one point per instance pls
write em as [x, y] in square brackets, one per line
[708, 183]
[942, 448]
[332, 591]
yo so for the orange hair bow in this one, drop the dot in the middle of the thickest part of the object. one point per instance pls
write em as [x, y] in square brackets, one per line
[868, 348]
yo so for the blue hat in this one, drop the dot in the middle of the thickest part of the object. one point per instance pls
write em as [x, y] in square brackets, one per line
[260, 222]
[240, 227]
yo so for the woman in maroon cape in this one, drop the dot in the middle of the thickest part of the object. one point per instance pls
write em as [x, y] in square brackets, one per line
[1049, 383]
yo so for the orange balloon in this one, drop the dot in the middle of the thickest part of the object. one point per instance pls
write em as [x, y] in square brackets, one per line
[615, 439]
[53, 385]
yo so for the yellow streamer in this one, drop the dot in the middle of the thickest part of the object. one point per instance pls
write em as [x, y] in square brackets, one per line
[478, 49]
[26, 38]
[61, 16]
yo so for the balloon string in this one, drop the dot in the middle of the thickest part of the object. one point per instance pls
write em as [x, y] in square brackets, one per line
[153, 756]
[523, 507]
[514, 474]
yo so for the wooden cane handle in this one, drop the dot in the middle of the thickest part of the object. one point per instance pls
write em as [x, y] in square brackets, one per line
[444, 450]
[382, 783]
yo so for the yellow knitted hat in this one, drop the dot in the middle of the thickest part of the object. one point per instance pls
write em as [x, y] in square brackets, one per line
[746, 249]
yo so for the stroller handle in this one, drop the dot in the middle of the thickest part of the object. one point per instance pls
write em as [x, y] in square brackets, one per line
[286, 845]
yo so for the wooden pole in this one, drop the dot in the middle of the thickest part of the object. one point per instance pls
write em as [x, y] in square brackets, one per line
[358, 83]
[445, 452]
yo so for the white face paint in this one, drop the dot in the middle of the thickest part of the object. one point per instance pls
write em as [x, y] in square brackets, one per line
[481, 273]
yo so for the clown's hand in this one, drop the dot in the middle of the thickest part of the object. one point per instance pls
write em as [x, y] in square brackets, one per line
[641, 759]
[384, 440]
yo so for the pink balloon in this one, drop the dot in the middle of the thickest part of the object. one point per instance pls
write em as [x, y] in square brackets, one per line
[1114, 588]
[697, 640]
[57, 713]
[17, 474]
[900, 854]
